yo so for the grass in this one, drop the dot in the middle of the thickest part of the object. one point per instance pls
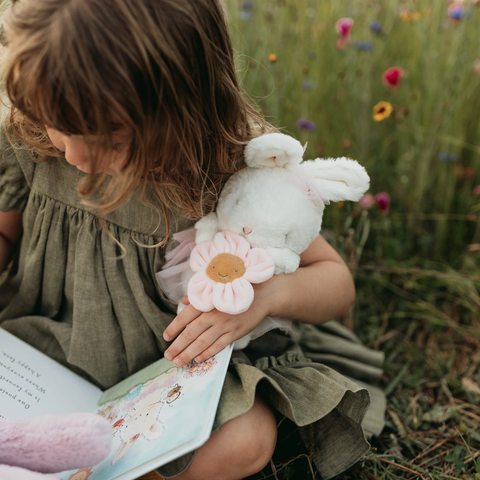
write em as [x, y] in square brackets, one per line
[417, 267]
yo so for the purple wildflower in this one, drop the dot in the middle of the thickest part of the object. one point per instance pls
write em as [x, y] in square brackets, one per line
[307, 125]
[376, 28]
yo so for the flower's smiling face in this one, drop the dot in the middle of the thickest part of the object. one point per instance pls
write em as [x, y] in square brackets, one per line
[225, 268]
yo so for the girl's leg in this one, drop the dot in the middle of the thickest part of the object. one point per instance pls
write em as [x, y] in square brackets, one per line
[239, 448]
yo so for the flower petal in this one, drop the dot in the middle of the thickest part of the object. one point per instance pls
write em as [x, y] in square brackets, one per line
[200, 292]
[260, 266]
[202, 254]
[233, 297]
[228, 242]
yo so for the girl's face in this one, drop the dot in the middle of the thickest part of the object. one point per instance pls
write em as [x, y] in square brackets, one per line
[77, 152]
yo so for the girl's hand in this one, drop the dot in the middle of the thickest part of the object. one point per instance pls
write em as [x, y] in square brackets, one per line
[202, 335]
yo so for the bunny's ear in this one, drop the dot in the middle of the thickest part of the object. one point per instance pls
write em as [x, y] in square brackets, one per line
[338, 179]
[273, 150]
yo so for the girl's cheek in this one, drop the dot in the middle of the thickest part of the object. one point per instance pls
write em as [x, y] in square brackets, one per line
[56, 139]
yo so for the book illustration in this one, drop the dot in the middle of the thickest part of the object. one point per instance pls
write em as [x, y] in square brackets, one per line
[82, 474]
[145, 419]
[170, 410]
[194, 368]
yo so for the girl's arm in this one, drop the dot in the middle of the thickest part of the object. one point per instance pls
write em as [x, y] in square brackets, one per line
[319, 290]
[10, 232]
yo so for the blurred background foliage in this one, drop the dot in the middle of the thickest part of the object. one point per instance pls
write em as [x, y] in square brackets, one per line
[415, 249]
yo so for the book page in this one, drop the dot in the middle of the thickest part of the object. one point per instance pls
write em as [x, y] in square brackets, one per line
[32, 384]
[157, 415]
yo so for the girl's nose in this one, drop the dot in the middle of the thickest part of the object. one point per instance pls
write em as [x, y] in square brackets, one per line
[76, 151]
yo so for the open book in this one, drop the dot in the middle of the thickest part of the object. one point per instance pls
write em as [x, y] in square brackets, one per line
[181, 404]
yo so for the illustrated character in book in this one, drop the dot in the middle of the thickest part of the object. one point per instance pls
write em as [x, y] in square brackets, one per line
[82, 474]
[173, 394]
[141, 421]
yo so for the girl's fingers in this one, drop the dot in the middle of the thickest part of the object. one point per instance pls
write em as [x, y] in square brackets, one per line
[221, 342]
[189, 335]
[209, 340]
[187, 315]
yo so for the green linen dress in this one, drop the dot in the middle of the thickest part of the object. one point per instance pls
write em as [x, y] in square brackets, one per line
[70, 295]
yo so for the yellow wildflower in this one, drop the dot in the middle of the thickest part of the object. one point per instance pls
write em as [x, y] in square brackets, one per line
[406, 16]
[272, 58]
[381, 111]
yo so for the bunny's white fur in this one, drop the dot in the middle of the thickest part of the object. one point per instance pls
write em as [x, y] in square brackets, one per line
[277, 202]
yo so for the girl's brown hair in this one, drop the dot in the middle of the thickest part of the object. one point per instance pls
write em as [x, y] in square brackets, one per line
[164, 69]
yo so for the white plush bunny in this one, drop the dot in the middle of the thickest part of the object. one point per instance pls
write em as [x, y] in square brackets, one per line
[277, 202]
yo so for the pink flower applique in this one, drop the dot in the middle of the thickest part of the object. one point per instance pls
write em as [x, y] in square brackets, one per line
[225, 269]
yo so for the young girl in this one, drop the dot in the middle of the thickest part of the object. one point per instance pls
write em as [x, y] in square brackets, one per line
[125, 118]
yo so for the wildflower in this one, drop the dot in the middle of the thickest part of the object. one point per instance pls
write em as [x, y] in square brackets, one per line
[340, 205]
[447, 157]
[476, 65]
[476, 190]
[392, 76]
[408, 17]
[381, 111]
[363, 46]
[376, 28]
[456, 11]
[347, 143]
[464, 172]
[245, 15]
[343, 27]
[366, 201]
[307, 125]
[383, 201]
[308, 84]
[272, 58]
[246, 10]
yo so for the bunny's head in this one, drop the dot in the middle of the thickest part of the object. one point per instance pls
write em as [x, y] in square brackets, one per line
[278, 200]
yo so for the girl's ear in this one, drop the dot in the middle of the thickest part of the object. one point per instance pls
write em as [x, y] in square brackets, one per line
[337, 179]
[273, 150]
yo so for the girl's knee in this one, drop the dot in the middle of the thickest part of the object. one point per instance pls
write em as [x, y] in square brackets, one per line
[257, 436]
[241, 447]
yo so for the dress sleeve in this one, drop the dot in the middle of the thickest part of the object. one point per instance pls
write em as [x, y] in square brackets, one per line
[14, 187]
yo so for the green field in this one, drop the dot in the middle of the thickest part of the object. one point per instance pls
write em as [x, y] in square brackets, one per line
[417, 266]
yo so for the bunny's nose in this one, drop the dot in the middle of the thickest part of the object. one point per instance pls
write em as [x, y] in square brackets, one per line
[247, 230]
